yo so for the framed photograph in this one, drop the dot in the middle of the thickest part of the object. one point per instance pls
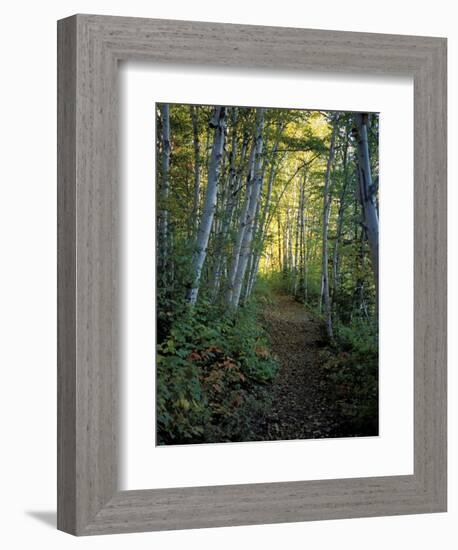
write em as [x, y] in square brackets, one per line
[251, 275]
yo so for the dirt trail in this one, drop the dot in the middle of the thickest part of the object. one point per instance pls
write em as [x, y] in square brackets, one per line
[300, 408]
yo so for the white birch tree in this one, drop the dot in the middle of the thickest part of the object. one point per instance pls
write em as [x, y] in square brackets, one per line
[263, 221]
[245, 249]
[196, 144]
[367, 192]
[242, 222]
[218, 124]
[164, 186]
[325, 298]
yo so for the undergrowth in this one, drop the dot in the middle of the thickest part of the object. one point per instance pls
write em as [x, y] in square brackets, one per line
[352, 365]
[214, 370]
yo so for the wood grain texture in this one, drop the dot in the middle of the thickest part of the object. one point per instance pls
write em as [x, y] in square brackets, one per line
[66, 275]
[90, 48]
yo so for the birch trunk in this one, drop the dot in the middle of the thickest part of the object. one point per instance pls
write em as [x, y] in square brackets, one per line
[367, 193]
[325, 300]
[245, 249]
[227, 209]
[342, 206]
[196, 196]
[256, 242]
[253, 275]
[299, 255]
[296, 240]
[217, 122]
[164, 188]
[241, 228]
[303, 253]
[263, 222]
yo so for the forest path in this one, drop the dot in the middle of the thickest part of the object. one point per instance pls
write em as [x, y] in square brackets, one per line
[300, 407]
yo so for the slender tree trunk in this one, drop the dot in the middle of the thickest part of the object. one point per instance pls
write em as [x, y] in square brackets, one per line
[245, 249]
[279, 243]
[326, 303]
[253, 275]
[303, 253]
[367, 193]
[300, 256]
[340, 217]
[217, 122]
[285, 247]
[242, 222]
[233, 191]
[296, 240]
[289, 238]
[196, 195]
[230, 199]
[163, 241]
[359, 300]
[263, 222]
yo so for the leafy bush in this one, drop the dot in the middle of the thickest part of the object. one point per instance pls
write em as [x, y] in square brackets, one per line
[273, 282]
[213, 369]
[353, 369]
[262, 291]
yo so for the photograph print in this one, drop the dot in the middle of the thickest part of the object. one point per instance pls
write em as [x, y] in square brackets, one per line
[266, 274]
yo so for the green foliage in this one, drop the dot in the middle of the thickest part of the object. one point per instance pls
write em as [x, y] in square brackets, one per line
[352, 366]
[213, 373]
[263, 291]
[273, 282]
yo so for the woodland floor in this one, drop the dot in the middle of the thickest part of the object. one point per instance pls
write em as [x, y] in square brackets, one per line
[301, 407]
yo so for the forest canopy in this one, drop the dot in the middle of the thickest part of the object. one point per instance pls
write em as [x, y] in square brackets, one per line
[255, 203]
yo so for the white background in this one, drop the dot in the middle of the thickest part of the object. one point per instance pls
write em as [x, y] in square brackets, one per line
[28, 245]
[389, 454]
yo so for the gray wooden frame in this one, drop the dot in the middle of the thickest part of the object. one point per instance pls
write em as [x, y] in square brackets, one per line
[89, 48]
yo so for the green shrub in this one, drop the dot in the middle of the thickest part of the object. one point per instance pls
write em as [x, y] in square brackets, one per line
[273, 282]
[262, 291]
[212, 373]
[353, 369]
